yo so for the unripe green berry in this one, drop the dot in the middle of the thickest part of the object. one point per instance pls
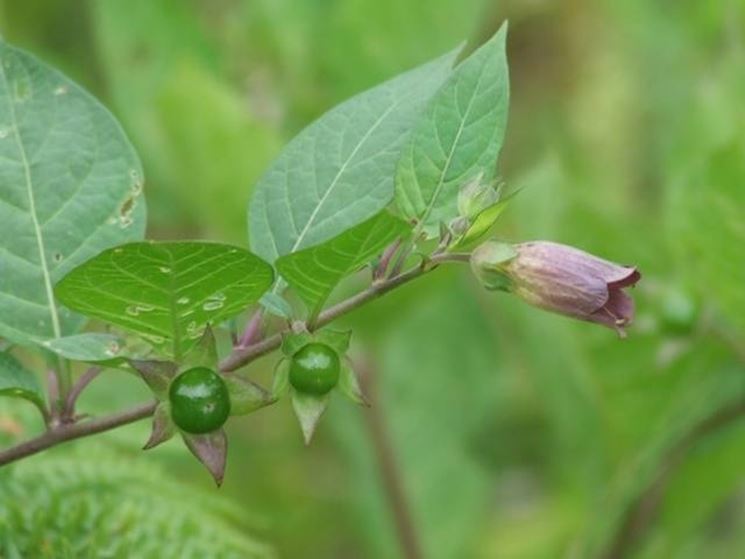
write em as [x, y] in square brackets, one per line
[200, 402]
[314, 369]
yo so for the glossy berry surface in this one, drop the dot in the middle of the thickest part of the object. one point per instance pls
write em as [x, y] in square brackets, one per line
[314, 369]
[200, 402]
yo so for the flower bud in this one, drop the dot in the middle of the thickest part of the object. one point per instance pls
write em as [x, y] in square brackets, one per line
[475, 196]
[560, 279]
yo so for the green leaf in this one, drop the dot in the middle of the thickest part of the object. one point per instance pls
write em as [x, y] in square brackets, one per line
[91, 347]
[338, 172]
[458, 138]
[71, 185]
[314, 272]
[166, 292]
[18, 382]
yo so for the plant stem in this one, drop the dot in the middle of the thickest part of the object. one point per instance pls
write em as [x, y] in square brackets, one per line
[390, 474]
[243, 356]
[73, 431]
[68, 413]
[380, 271]
[252, 329]
[237, 359]
[640, 515]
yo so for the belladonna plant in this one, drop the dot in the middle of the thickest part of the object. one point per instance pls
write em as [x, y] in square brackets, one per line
[393, 183]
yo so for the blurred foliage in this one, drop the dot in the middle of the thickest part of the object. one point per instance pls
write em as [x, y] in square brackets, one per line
[517, 434]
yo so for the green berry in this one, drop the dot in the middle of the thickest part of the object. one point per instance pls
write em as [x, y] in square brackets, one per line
[314, 369]
[678, 313]
[200, 402]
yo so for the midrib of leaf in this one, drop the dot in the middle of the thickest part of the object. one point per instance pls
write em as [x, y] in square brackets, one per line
[32, 209]
[449, 159]
[174, 309]
[341, 171]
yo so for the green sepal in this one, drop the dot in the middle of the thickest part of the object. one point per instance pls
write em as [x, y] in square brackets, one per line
[156, 374]
[482, 224]
[475, 195]
[497, 281]
[308, 409]
[163, 426]
[488, 263]
[281, 378]
[211, 450]
[349, 384]
[246, 396]
[292, 342]
[338, 340]
[203, 353]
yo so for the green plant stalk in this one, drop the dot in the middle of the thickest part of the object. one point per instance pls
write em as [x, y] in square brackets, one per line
[238, 358]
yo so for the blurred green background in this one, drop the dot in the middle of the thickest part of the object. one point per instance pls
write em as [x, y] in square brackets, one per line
[514, 433]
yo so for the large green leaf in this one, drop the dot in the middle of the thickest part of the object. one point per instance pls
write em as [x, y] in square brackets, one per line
[458, 138]
[17, 381]
[338, 172]
[166, 292]
[70, 186]
[315, 271]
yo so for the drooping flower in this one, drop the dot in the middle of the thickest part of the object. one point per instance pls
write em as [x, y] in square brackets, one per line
[560, 279]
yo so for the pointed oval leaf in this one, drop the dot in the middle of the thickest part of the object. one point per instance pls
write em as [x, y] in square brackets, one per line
[167, 292]
[314, 272]
[16, 381]
[458, 138]
[339, 171]
[70, 185]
